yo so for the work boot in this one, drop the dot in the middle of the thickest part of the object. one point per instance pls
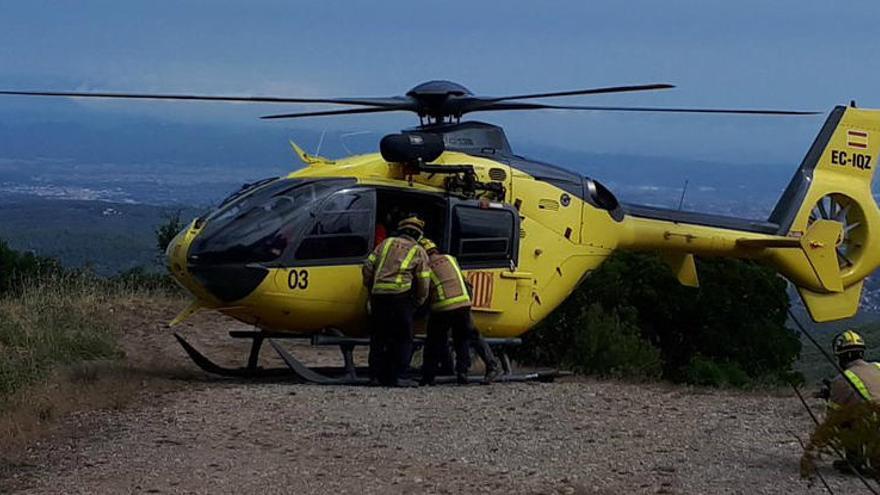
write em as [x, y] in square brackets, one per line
[843, 467]
[492, 373]
[404, 383]
[461, 378]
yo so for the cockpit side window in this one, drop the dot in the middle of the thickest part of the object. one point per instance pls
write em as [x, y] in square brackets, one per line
[262, 225]
[483, 237]
[342, 229]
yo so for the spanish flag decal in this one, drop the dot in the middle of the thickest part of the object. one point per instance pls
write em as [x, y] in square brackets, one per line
[857, 139]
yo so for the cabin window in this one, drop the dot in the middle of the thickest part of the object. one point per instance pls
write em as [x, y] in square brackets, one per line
[342, 229]
[483, 237]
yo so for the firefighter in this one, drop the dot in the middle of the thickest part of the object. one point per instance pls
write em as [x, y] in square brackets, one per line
[860, 381]
[397, 275]
[849, 347]
[451, 308]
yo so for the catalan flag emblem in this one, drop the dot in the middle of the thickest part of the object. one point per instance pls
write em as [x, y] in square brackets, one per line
[483, 285]
[857, 139]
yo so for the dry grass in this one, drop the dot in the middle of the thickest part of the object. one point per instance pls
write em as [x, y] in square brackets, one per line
[63, 349]
[34, 411]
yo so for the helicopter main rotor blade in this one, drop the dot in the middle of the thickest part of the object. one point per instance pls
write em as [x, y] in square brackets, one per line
[590, 91]
[348, 111]
[370, 102]
[538, 106]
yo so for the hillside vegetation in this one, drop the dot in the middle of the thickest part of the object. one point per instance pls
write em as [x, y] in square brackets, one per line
[632, 318]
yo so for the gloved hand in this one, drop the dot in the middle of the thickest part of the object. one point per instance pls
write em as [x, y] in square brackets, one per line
[825, 391]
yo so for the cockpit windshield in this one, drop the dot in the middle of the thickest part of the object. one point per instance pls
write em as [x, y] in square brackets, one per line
[260, 224]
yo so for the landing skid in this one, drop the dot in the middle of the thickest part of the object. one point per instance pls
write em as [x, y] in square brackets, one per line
[349, 373]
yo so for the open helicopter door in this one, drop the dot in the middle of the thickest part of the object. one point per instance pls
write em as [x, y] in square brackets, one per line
[484, 238]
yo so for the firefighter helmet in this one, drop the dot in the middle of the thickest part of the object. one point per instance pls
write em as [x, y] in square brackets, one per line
[848, 341]
[412, 222]
[428, 244]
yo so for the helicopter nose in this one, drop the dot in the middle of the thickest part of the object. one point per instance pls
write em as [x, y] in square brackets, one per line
[199, 274]
[226, 282]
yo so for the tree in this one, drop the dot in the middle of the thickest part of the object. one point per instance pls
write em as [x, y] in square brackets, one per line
[16, 266]
[730, 330]
[167, 231]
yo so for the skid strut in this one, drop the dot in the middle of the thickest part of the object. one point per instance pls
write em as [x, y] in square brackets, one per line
[349, 373]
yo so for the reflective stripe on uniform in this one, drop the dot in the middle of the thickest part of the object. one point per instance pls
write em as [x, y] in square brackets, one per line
[441, 294]
[859, 384]
[460, 276]
[449, 302]
[404, 266]
[384, 255]
[392, 287]
[442, 301]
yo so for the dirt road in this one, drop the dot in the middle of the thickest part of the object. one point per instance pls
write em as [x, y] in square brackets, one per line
[577, 436]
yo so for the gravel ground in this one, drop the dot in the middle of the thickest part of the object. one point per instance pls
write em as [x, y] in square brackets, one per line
[572, 436]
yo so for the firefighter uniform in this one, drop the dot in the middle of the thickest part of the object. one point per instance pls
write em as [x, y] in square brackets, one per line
[859, 382]
[397, 275]
[866, 378]
[450, 305]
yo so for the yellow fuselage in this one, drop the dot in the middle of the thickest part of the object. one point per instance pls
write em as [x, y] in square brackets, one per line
[563, 236]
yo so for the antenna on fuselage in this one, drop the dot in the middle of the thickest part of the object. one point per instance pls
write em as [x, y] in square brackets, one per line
[349, 134]
[683, 191]
[320, 142]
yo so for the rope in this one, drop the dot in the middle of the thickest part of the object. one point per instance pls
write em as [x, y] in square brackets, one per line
[818, 473]
[810, 411]
[821, 349]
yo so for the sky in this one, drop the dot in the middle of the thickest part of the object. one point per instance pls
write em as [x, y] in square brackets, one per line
[785, 54]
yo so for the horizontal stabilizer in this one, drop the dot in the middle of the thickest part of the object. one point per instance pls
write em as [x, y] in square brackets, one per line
[834, 306]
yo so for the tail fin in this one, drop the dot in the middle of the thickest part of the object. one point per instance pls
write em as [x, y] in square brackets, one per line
[831, 193]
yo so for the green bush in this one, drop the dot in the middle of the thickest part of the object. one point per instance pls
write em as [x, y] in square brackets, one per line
[167, 231]
[17, 267]
[735, 321]
[703, 371]
[608, 344]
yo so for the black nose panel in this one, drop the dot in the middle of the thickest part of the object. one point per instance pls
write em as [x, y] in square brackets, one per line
[228, 282]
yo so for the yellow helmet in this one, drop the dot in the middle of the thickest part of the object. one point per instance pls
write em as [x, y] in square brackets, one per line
[428, 244]
[412, 222]
[848, 341]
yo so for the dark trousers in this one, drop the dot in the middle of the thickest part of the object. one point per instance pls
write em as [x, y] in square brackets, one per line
[464, 336]
[391, 337]
[481, 347]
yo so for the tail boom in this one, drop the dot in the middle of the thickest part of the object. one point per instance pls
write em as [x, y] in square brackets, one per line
[822, 235]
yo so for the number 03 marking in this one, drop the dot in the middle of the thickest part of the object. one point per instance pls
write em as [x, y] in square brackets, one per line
[298, 279]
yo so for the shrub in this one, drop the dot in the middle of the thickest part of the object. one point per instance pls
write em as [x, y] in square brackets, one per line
[702, 371]
[732, 327]
[608, 344]
[854, 430]
[16, 267]
[167, 231]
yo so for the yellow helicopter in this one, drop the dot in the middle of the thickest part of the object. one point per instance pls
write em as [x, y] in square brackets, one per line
[285, 254]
